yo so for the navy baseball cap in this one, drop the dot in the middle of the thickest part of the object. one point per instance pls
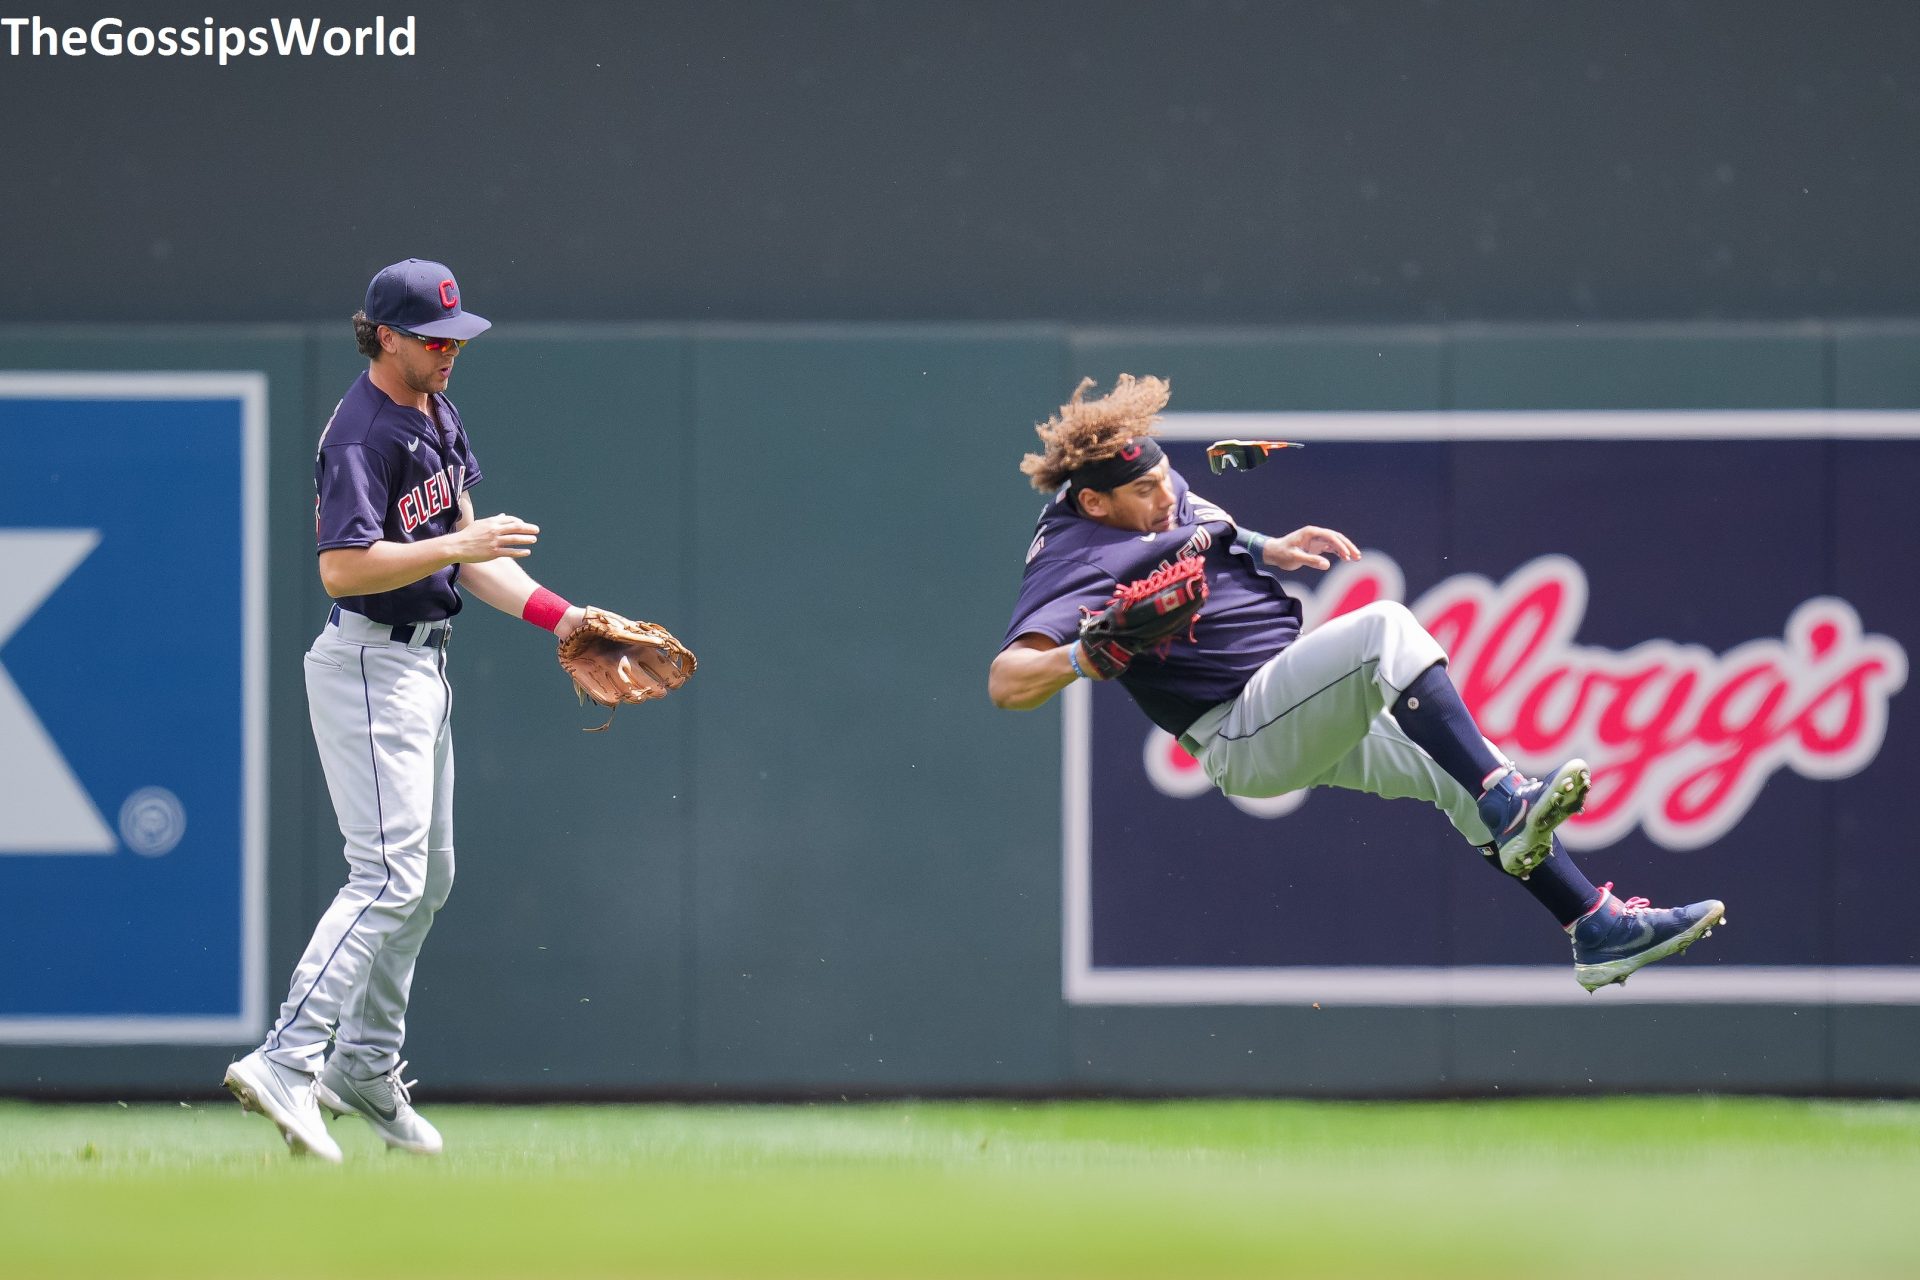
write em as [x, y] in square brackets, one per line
[421, 297]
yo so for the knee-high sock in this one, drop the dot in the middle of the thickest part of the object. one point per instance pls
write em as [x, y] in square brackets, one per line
[1431, 713]
[1556, 884]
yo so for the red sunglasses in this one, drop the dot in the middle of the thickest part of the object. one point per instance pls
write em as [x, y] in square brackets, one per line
[435, 345]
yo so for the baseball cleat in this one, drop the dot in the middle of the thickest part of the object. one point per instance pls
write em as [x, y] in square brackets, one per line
[1616, 938]
[286, 1097]
[383, 1101]
[1523, 812]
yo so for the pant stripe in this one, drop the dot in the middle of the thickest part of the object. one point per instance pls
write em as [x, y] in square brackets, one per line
[446, 689]
[1259, 729]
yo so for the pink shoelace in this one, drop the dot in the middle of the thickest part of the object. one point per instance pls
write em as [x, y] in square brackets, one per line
[1629, 904]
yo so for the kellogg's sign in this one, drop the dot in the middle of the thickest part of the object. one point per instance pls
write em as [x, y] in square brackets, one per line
[1732, 686]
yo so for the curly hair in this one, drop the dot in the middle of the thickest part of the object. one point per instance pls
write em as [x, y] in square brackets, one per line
[366, 335]
[1087, 430]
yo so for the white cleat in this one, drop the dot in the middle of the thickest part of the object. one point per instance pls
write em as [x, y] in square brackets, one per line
[383, 1101]
[286, 1097]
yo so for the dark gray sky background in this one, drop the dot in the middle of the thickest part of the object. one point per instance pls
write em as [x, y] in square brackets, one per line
[1187, 161]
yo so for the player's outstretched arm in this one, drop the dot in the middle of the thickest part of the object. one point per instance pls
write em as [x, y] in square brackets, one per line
[1307, 547]
[507, 587]
[385, 566]
[1031, 670]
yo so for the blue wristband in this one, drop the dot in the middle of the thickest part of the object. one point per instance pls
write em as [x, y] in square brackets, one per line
[1073, 656]
[1255, 543]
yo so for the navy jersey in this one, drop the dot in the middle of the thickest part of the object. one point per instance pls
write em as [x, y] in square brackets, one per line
[1077, 562]
[389, 473]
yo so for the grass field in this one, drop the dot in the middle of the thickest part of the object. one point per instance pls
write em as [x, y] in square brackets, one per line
[1674, 1186]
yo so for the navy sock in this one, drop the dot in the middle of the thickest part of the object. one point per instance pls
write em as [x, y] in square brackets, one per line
[1556, 884]
[1431, 713]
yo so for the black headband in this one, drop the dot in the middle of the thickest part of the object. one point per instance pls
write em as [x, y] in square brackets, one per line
[1140, 455]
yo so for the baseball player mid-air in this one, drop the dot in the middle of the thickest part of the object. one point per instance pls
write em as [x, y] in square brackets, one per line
[396, 532]
[1120, 567]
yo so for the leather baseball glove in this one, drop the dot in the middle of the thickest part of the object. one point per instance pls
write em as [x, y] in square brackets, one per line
[612, 660]
[1147, 613]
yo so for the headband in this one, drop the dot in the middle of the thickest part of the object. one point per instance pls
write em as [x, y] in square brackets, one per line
[1137, 457]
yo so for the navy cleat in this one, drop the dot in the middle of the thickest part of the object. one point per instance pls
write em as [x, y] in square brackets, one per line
[1523, 812]
[1616, 938]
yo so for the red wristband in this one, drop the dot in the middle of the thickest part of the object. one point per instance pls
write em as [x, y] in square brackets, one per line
[545, 609]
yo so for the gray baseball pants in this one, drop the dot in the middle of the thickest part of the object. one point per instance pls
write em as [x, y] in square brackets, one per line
[1317, 715]
[382, 718]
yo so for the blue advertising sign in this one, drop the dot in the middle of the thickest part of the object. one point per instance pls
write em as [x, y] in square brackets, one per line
[132, 757]
[1714, 609]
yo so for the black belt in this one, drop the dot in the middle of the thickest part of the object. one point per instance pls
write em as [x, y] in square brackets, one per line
[402, 632]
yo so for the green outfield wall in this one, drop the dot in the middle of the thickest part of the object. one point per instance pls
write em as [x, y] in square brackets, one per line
[829, 865]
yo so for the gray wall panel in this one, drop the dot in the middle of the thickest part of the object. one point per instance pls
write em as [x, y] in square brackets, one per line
[1640, 367]
[1230, 1049]
[1298, 371]
[1641, 1047]
[1876, 366]
[878, 874]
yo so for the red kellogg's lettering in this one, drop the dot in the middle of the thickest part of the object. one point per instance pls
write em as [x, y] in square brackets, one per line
[1681, 739]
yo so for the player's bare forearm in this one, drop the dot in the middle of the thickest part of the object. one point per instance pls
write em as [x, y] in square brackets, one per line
[506, 586]
[500, 583]
[386, 566]
[1028, 672]
[379, 566]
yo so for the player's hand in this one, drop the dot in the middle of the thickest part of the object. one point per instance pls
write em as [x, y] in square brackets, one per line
[1308, 548]
[493, 538]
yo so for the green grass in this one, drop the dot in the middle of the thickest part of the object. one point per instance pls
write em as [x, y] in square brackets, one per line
[1691, 1187]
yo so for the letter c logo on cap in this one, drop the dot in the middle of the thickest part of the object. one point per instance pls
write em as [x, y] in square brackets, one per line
[449, 296]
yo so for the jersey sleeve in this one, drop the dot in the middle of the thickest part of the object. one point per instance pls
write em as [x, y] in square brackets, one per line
[1205, 512]
[1051, 597]
[353, 488]
[463, 450]
[472, 474]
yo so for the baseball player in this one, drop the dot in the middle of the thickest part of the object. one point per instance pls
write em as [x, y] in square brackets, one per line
[1213, 653]
[396, 531]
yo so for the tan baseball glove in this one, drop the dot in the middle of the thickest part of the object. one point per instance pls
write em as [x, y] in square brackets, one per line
[612, 660]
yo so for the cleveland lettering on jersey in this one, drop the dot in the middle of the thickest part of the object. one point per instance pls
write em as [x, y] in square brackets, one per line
[437, 494]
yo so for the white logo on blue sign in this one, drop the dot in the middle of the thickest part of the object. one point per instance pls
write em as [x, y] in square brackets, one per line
[136, 497]
[47, 811]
